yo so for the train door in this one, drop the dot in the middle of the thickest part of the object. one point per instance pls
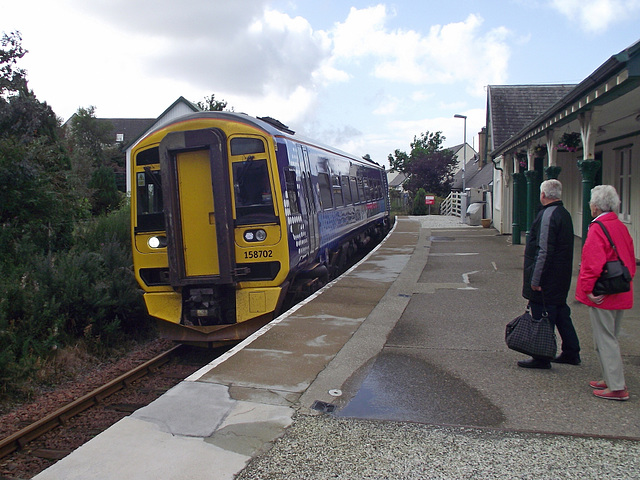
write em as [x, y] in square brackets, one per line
[197, 207]
[309, 199]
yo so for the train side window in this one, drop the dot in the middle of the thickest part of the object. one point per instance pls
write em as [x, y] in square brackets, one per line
[325, 191]
[246, 146]
[354, 189]
[361, 194]
[337, 191]
[252, 191]
[376, 189]
[346, 191]
[292, 191]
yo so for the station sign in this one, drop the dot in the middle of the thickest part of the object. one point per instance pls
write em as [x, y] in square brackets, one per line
[429, 199]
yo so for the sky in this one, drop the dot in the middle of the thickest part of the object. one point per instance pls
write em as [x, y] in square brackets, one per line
[365, 77]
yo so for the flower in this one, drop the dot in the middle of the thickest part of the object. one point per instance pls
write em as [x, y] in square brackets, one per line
[522, 159]
[569, 142]
[540, 151]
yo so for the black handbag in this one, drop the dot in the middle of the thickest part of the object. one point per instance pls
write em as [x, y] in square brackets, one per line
[615, 276]
[533, 337]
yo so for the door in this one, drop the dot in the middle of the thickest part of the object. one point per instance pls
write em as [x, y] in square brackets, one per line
[195, 192]
[197, 202]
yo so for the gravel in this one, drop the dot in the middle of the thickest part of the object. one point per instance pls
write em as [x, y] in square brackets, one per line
[322, 447]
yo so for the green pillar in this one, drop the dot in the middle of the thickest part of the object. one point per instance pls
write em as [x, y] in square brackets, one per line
[588, 169]
[518, 180]
[552, 172]
[533, 196]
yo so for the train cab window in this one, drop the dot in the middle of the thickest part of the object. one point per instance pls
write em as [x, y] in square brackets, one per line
[354, 189]
[337, 191]
[246, 146]
[252, 190]
[292, 191]
[325, 191]
[346, 191]
[150, 211]
[148, 157]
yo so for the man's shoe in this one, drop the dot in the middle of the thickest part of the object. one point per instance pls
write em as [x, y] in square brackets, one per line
[620, 395]
[562, 358]
[534, 363]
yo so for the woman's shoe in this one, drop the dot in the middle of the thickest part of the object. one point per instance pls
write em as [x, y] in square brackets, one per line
[612, 394]
[598, 384]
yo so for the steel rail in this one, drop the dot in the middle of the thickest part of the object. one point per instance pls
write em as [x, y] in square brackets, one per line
[61, 416]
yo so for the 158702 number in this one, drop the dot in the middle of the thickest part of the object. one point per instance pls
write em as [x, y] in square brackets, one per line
[258, 254]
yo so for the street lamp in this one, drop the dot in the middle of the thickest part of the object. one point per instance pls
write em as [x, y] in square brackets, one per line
[464, 152]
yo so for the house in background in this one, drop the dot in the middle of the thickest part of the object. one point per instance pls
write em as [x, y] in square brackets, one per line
[588, 136]
[180, 107]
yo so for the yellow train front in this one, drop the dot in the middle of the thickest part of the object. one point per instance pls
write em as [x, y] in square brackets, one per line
[230, 218]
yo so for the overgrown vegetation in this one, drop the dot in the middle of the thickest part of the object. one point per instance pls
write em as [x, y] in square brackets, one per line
[65, 262]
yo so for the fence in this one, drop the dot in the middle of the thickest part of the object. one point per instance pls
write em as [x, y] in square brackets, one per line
[452, 205]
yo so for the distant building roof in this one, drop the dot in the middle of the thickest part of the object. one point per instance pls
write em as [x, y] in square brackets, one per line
[476, 175]
[125, 130]
[512, 107]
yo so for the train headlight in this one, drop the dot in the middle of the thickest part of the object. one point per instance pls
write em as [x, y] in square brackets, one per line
[255, 235]
[157, 242]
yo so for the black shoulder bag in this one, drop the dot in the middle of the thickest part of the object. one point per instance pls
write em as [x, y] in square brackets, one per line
[615, 276]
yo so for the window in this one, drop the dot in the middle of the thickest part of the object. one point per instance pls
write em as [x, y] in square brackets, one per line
[624, 182]
[354, 189]
[337, 191]
[246, 146]
[361, 194]
[252, 190]
[148, 157]
[292, 191]
[325, 191]
[149, 201]
[346, 191]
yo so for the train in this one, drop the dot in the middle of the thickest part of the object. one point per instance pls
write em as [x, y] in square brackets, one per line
[234, 218]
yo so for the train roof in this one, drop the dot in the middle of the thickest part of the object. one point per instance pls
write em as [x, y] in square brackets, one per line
[272, 127]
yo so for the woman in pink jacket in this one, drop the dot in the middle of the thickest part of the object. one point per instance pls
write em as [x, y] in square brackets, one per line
[606, 310]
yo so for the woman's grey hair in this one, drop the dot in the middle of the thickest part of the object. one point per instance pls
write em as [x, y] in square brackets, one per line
[605, 198]
[552, 189]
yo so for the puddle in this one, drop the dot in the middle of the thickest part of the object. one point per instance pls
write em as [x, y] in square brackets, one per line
[405, 388]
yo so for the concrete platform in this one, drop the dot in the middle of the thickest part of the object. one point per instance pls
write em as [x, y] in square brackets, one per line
[396, 370]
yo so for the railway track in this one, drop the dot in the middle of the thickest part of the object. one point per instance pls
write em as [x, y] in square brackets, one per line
[36, 446]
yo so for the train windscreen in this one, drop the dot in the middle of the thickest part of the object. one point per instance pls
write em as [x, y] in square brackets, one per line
[252, 189]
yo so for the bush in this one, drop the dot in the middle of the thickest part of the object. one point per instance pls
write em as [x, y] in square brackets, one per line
[419, 207]
[86, 294]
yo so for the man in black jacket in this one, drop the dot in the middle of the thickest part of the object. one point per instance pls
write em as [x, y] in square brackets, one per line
[548, 264]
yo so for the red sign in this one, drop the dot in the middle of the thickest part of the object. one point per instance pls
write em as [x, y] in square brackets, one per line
[429, 199]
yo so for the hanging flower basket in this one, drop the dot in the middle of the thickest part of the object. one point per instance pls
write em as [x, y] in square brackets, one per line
[569, 142]
[522, 159]
[540, 151]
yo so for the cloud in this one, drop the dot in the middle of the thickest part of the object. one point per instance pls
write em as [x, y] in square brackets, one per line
[241, 47]
[596, 16]
[456, 52]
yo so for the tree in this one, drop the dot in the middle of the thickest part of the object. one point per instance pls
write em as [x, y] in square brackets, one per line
[428, 166]
[419, 205]
[12, 79]
[93, 160]
[210, 104]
